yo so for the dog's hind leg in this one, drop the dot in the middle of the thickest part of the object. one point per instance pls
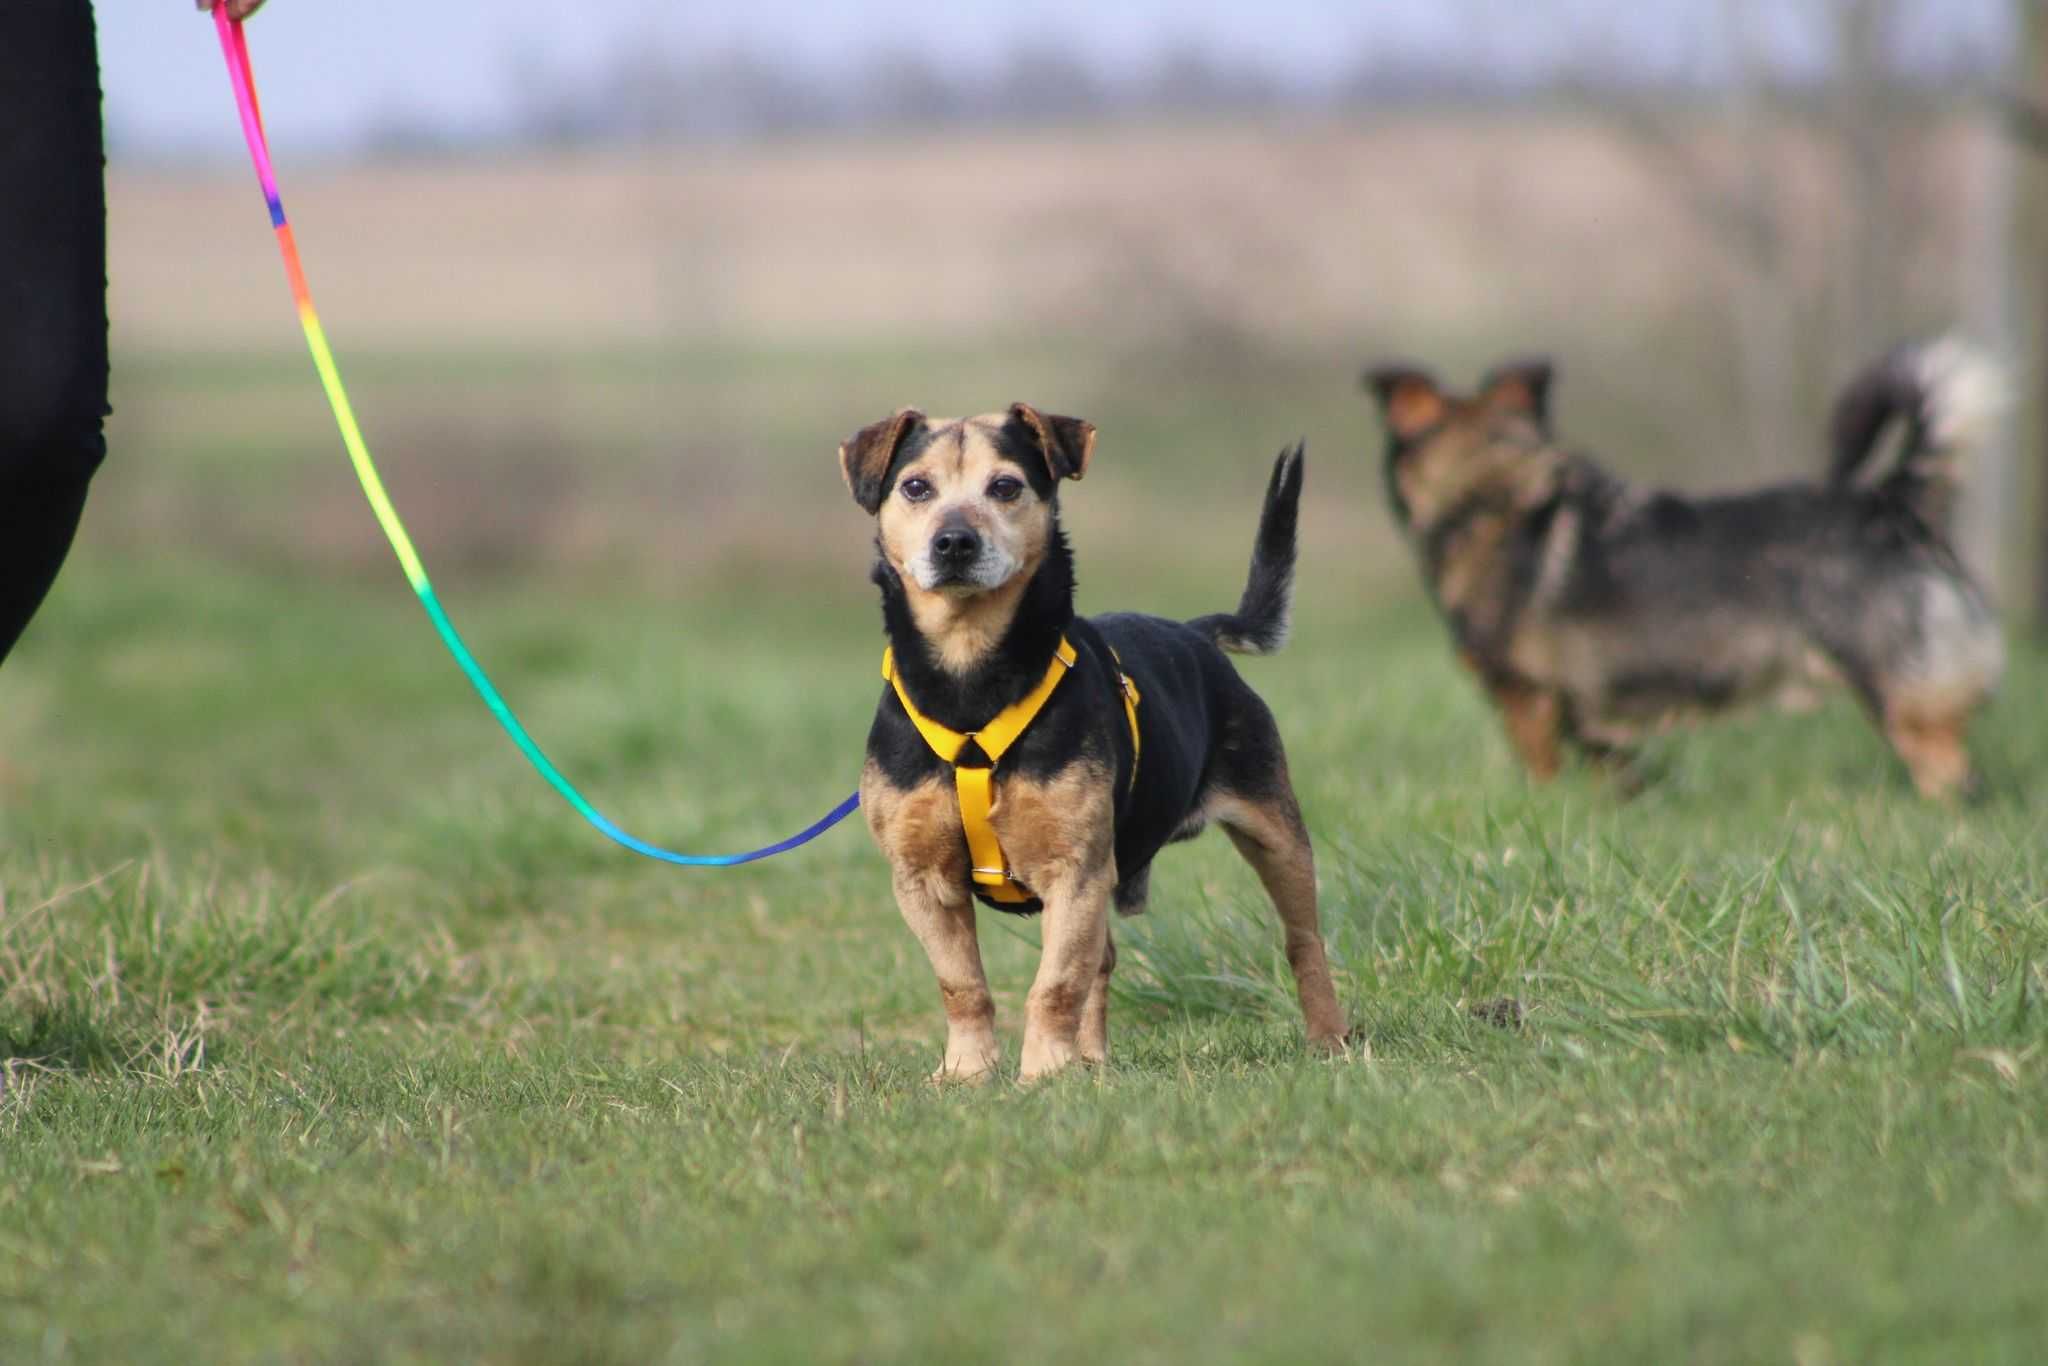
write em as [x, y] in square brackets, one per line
[1129, 899]
[1269, 832]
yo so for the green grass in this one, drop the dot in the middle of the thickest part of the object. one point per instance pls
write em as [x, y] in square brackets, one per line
[331, 1035]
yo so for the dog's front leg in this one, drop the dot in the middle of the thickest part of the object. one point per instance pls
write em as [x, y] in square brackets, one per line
[1094, 1038]
[941, 915]
[1060, 835]
[918, 829]
[1535, 724]
[1076, 939]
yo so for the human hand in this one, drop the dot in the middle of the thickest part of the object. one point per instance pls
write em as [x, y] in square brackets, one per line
[237, 9]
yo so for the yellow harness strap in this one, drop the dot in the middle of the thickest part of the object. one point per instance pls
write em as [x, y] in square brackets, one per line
[1130, 691]
[975, 785]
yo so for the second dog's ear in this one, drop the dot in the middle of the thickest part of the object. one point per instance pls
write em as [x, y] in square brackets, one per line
[864, 457]
[1066, 442]
[1410, 399]
[1521, 387]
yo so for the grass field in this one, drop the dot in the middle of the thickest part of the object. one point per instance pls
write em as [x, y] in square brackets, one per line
[330, 1035]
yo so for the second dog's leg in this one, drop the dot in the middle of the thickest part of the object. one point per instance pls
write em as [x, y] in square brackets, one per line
[1535, 719]
[1931, 743]
[1535, 722]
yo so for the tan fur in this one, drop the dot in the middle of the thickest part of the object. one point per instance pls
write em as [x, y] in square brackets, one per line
[963, 631]
[1534, 719]
[1928, 731]
[1059, 835]
[1093, 1041]
[1269, 833]
[1515, 392]
[1057, 827]
[1477, 451]
[1412, 407]
[919, 831]
[962, 625]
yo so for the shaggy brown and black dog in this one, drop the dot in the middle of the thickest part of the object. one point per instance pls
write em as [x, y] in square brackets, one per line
[1594, 611]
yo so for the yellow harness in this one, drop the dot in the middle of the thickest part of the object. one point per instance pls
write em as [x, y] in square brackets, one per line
[975, 785]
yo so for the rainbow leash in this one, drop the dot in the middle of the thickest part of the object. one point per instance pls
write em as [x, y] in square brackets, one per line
[235, 48]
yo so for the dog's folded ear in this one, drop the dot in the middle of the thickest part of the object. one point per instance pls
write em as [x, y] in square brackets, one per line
[1409, 397]
[1065, 442]
[864, 457]
[1520, 387]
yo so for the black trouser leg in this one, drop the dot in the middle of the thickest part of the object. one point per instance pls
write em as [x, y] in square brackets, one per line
[36, 531]
[53, 293]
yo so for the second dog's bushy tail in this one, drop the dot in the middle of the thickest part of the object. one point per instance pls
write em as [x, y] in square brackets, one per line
[1946, 395]
[1259, 625]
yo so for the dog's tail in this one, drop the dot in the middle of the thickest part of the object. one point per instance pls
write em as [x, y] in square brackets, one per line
[1946, 395]
[1259, 625]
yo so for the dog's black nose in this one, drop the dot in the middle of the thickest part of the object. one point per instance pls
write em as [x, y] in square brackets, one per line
[955, 545]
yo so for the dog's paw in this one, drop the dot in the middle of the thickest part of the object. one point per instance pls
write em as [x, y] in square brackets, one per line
[970, 1067]
[1340, 1043]
[945, 1076]
[1042, 1058]
[972, 1056]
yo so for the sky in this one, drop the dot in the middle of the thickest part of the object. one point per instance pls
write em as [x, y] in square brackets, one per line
[330, 69]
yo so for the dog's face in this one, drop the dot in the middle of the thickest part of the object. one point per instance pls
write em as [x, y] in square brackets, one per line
[1443, 450]
[967, 506]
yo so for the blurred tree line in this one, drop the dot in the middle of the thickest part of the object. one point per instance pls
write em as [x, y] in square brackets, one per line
[648, 89]
[1750, 101]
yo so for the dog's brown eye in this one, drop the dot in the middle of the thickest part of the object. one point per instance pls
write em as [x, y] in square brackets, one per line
[1005, 489]
[916, 490]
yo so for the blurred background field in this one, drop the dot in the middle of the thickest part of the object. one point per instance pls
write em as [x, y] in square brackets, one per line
[326, 1032]
[624, 326]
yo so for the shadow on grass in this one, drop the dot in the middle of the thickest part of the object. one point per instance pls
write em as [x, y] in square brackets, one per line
[65, 1039]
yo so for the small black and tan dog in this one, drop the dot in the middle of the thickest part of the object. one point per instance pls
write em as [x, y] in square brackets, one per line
[1036, 759]
[1594, 611]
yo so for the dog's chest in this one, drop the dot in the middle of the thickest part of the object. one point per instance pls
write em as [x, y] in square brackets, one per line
[919, 826]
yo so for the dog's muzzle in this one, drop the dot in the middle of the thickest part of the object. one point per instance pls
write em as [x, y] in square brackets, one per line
[954, 554]
[961, 559]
